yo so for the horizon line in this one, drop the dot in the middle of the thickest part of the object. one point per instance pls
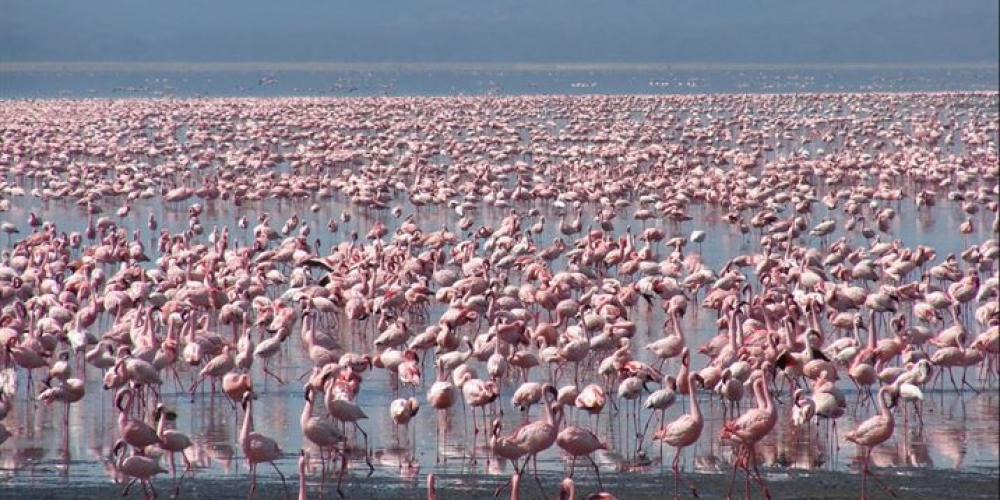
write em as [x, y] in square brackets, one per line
[177, 66]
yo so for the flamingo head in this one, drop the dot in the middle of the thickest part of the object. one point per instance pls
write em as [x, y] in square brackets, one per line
[161, 411]
[893, 393]
[117, 448]
[120, 397]
[797, 397]
[248, 396]
[550, 390]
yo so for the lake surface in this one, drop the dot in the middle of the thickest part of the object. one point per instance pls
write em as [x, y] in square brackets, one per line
[960, 430]
[47, 80]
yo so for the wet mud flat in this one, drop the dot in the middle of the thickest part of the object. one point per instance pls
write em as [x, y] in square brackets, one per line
[917, 484]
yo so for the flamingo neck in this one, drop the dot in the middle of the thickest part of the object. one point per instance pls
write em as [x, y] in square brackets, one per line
[127, 410]
[121, 459]
[306, 412]
[883, 407]
[676, 318]
[817, 325]
[247, 423]
[695, 409]
[758, 392]
[569, 491]
[682, 373]
[549, 416]
[790, 335]
[307, 331]
[159, 423]
[733, 331]
[871, 331]
[768, 404]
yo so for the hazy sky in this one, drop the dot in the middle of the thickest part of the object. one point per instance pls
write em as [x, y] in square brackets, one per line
[535, 31]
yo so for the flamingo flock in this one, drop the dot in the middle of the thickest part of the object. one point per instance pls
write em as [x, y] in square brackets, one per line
[550, 275]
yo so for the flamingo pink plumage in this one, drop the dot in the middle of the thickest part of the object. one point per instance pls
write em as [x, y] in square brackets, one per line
[872, 432]
[684, 431]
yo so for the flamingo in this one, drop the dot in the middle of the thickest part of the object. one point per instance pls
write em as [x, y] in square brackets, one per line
[441, 397]
[172, 441]
[873, 432]
[477, 394]
[266, 349]
[684, 431]
[137, 467]
[320, 431]
[402, 410]
[257, 448]
[580, 442]
[135, 432]
[345, 411]
[68, 392]
[661, 399]
[506, 447]
[750, 428]
[540, 435]
[528, 394]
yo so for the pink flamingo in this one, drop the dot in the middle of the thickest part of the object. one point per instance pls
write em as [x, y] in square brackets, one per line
[478, 393]
[320, 431]
[172, 441]
[345, 411]
[539, 435]
[441, 397]
[873, 432]
[580, 442]
[257, 448]
[505, 447]
[747, 430]
[684, 431]
[135, 432]
[139, 468]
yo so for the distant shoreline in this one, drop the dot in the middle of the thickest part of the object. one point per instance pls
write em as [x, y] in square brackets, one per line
[95, 66]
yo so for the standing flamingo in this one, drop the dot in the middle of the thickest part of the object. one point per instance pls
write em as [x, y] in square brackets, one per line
[873, 432]
[505, 447]
[320, 431]
[747, 430]
[139, 468]
[441, 397]
[257, 448]
[539, 435]
[580, 442]
[172, 441]
[684, 431]
[135, 432]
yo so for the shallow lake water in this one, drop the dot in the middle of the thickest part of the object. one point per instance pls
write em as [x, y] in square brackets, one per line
[959, 430]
